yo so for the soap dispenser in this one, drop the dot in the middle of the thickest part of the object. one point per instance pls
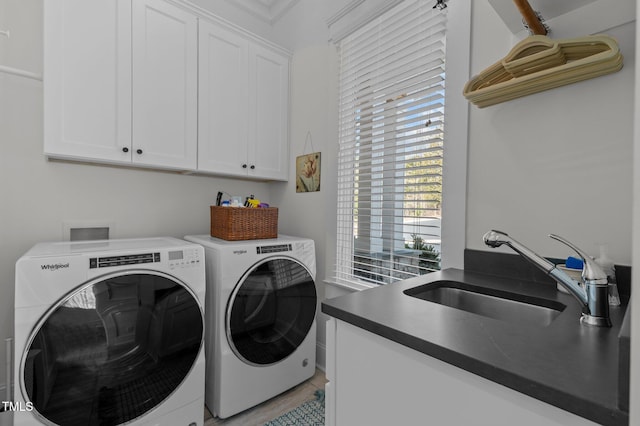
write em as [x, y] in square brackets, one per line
[607, 266]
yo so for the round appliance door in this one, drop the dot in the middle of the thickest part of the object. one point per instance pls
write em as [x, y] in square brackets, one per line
[271, 311]
[112, 350]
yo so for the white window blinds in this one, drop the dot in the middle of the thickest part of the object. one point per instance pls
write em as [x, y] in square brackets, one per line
[392, 82]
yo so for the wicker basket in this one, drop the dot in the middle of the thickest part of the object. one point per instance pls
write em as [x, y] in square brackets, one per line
[242, 223]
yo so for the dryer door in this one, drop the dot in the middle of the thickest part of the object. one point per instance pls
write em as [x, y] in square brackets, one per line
[271, 311]
[112, 350]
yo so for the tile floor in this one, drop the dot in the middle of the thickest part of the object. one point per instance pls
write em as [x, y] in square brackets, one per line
[274, 407]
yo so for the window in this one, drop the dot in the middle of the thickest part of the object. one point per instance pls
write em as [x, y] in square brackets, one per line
[391, 136]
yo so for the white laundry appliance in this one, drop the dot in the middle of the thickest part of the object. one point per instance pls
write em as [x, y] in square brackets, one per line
[110, 332]
[260, 315]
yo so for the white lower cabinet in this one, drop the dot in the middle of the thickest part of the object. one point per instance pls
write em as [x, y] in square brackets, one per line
[243, 106]
[374, 381]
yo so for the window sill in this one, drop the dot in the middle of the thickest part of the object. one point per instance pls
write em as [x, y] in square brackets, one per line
[349, 285]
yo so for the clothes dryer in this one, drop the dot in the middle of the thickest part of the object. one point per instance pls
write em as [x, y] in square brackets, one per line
[110, 332]
[260, 316]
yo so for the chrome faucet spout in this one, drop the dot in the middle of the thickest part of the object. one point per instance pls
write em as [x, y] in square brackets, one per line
[593, 298]
[495, 238]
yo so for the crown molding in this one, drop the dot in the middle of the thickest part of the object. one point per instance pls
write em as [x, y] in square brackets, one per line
[354, 15]
[269, 12]
[210, 16]
[343, 12]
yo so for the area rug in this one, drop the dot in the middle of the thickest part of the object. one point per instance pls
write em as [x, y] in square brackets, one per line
[310, 413]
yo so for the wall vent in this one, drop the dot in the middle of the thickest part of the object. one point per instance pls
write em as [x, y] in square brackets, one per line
[87, 231]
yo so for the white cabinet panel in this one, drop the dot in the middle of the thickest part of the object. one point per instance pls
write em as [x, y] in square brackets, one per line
[375, 381]
[223, 100]
[269, 84]
[243, 106]
[87, 79]
[136, 82]
[165, 85]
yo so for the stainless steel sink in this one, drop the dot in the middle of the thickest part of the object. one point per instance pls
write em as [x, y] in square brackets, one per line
[492, 303]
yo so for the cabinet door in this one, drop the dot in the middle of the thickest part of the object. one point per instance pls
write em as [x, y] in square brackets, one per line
[223, 101]
[87, 79]
[165, 91]
[269, 113]
[376, 379]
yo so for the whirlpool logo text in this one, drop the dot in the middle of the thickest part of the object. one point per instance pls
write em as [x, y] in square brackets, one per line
[54, 266]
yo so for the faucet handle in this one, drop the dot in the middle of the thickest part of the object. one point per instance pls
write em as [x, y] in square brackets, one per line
[591, 272]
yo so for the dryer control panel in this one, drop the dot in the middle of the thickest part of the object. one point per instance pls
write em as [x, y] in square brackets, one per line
[278, 248]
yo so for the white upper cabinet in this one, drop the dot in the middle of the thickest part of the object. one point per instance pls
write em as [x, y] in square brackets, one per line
[87, 79]
[223, 129]
[165, 85]
[147, 83]
[243, 106]
[269, 113]
[120, 83]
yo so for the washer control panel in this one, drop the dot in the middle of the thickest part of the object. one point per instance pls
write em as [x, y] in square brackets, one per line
[186, 258]
[130, 259]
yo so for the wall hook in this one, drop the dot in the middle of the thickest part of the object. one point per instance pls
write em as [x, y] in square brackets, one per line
[440, 4]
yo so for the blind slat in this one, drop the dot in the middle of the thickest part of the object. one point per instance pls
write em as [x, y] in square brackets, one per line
[383, 40]
[418, 51]
[431, 94]
[364, 160]
[389, 23]
[382, 87]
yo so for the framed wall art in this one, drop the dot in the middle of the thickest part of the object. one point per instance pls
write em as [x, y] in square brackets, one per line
[308, 172]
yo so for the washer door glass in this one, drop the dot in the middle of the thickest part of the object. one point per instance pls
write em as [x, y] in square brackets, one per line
[112, 350]
[271, 311]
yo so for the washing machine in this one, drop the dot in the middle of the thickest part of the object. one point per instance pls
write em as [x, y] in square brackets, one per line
[261, 319]
[110, 332]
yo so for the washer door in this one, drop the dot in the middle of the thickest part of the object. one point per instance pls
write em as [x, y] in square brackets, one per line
[271, 311]
[112, 350]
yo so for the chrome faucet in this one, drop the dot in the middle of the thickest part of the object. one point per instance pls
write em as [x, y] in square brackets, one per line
[594, 298]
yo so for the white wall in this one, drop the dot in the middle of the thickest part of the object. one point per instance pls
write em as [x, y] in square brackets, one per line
[554, 162]
[524, 172]
[634, 395]
[534, 163]
[313, 129]
[560, 161]
[38, 196]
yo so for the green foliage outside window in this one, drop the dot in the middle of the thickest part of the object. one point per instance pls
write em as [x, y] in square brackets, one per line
[429, 258]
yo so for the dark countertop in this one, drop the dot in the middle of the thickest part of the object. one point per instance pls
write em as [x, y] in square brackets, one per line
[566, 364]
